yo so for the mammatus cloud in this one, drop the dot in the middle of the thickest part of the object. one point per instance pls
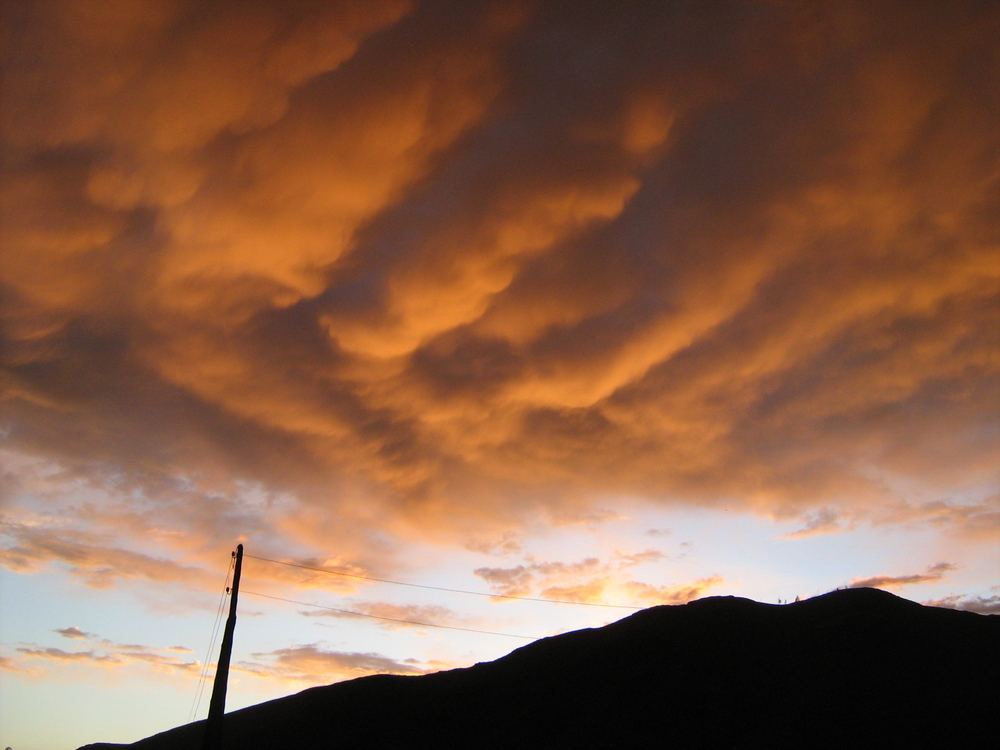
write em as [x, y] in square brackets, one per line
[422, 268]
[932, 575]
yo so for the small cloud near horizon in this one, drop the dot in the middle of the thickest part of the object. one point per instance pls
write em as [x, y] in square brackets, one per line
[73, 632]
[933, 574]
[313, 663]
[983, 605]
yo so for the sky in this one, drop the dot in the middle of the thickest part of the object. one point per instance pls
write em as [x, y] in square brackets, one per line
[607, 303]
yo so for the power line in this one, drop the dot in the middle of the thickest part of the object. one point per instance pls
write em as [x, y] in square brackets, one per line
[200, 690]
[390, 619]
[442, 588]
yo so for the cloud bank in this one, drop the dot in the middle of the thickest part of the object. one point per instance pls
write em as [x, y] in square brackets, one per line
[419, 267]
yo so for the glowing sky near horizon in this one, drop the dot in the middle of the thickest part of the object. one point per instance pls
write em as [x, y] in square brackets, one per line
[616, 302]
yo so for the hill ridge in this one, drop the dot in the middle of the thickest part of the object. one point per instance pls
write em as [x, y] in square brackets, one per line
[843, 665]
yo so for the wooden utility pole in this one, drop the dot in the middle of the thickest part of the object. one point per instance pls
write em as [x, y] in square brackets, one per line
[217, 706]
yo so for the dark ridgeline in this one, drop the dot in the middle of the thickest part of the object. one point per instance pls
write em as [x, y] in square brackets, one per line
[853, 667]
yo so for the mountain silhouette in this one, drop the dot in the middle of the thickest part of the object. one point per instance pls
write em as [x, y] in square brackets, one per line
[852, 667]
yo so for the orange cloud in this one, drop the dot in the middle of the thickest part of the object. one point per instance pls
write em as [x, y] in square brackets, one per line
[934, 573]
[679, 594]
[639, 558]
[97, 565]
[591, 591]
[311, 663]
[104, 653]
[592, 581]
[94, 651]
[436, 270]
[396, 616]
[8, 664]
[520, 580]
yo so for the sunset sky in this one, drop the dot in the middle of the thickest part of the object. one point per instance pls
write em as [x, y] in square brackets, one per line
[617, 303]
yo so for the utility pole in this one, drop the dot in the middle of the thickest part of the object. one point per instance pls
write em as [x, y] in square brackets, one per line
[217, 706]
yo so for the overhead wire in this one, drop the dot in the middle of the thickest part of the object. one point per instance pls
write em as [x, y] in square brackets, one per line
[202, 678]
[200, 691]
[199, 694]
[443, 588]
[390, 619]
